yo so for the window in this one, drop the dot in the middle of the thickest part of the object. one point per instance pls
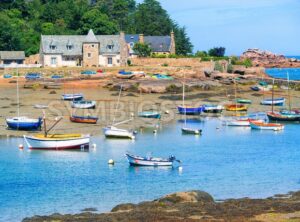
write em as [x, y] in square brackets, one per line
[109, 61]
[118, 60]
[93, 46]
[89, 55]
[53, 60]
[110, 47]
[52, 47]
[131, 44]
[69, 47]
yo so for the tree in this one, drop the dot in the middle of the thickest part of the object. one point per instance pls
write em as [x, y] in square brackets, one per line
[217, 51]
[142, 50]
[183, 43]
[99, 22]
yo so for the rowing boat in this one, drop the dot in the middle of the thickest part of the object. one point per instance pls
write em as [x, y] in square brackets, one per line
[135, 160]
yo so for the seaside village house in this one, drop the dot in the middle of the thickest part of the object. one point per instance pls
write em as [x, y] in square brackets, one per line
[98, 50]
[12, 57]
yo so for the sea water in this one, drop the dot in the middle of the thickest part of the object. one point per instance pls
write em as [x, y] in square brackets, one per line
[283, 73]
[227, 162]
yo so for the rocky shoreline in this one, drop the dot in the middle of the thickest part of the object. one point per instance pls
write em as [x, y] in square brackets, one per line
[193, 206]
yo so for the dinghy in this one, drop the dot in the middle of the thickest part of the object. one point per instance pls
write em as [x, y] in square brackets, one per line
[83, 104]
[274, 102]
[150, 114]
[236, 107]
[213, 108]
[266, 126]
[283, 116]
[84, 119]
[241, 122]
[190, 110]
[114, 132]
[24, 123]
[150, 161]
[186, 130]
[244, 101]
[40, 106]
[74, 97]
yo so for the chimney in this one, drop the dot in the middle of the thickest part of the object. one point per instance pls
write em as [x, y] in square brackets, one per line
[141, 38]
[173, 45]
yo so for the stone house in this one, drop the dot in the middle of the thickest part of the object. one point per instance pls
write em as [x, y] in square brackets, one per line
[11, 57]
[97, 50]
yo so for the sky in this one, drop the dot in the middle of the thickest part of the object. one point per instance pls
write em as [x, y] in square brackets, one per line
[237, 25]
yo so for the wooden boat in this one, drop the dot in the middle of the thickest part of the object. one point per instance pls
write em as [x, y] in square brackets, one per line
[88, 72]
[52, 86]
[7, 76]
[283, 116]
[274, 102]
[84, 119]
[150, 161]
[55, 76]
[241, 122]
[244, 101]
[236, 107]
[266, 126]
[150, 114]
[190, 110]
[186, 130]
[57, 141]
[24, 123]
[83, 104]
[207, 108]
[114, 132]
[77, 96]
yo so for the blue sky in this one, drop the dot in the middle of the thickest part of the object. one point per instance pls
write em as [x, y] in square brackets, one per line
[272, 25]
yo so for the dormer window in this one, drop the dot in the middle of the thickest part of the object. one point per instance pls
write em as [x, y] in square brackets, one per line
[52, 47]
[110, 47]
[69, 47]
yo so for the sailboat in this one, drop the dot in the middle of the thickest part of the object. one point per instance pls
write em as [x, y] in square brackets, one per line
[22, 122]
[48, 141]
[113, 132]
[185, 129]
[236, 107]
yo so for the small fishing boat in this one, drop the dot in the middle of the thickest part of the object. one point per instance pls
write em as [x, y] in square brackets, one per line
[186, 130]
[244, 101]
[255, 88]
[77, 96]
[190, 110]
[274, 102]
[236, 107]
[57, 141]
[241, 122]
[266, 126]
[283, 116]
[84, 119]
[83, 104]
[207, 108]
[123, 72]
[150, 114]
[24, 123]
[114, 132]
[7, 76]
[40, 106]
[33, 76]
[88, 72]
[161, 76]
[55, 76]
[135, 160]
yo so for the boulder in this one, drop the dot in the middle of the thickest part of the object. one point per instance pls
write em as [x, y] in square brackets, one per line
[187, 197]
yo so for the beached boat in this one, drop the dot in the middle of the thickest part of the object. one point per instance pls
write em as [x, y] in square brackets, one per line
[57, 141]
[7, 76]
[24, 123]
[190, 110]
[74, 97]
[241, 122]
[236, 107]
[266, 126]
[40, 106]
[186, 130]
[83, 104]
[274, 102]
[114, 132]
[123, 72]
[283, 116]
[244, 101]
[150, 114]
[55, 76]
[84, 119]
[135, 160]
[208, 108]
[88, 72]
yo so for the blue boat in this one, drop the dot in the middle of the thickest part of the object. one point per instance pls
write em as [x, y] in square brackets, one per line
[188, 110]
[74, 97]
[88, 72]
[150, 114]
[274, 102]
[123, 72]
[7, 76]
[56, 77]
[24, 123]
[33, 76]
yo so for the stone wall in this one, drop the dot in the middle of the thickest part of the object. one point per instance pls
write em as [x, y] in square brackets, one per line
[91, 54]
[33, 59]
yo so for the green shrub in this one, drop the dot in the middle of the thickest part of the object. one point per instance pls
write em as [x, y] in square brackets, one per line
[129, 62]
[165, 65]
[218, 67]
[247, 63]
[230, 68]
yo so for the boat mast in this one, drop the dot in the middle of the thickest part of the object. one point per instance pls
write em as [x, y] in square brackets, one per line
[183, 95]
[117, 105]
[235, 97]
[273, 96]
[288, 88]
[18, 96]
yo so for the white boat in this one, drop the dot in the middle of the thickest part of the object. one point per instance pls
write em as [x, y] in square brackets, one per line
[57, 141]
[266, 126]
[77, 96]
[83, 104]
[40, 106]
[241, 122]
[114, 132]
[149, 161]
[186, 130]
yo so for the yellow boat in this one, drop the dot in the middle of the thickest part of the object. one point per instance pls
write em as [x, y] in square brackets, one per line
[236, 107]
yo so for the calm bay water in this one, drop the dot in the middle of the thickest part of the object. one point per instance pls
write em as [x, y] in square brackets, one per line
[226, 162]
[294, 73]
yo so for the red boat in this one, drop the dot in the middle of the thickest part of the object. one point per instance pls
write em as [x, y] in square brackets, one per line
[84, 119]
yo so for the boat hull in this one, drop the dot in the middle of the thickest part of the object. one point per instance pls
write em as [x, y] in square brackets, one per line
[266, 126]
[236, 107]
[57, 144]
[72, 97]
[283, 117]
[144, 162]
[79, 119]
[191, 131]
[190, 110]
[274, 102]
[24, 125]
[150, 115]
[213, 109]
[84, 105]
[113, 132]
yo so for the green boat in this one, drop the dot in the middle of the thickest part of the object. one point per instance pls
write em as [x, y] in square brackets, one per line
[244, 101]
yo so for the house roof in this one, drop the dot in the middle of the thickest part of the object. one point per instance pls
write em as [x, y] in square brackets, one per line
[157, 43]
[91, 37]
[12, 55]
[60, 44]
